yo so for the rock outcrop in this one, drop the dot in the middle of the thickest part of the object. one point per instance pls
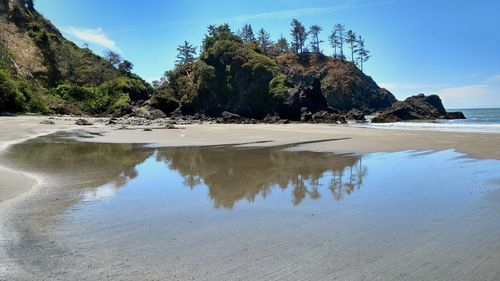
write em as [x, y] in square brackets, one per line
[419, 107]
[342, 83]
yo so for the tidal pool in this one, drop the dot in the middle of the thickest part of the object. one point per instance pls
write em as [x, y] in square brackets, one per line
[133, 212]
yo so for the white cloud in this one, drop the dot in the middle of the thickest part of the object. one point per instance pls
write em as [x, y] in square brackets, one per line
[287, 14]
[95, 36]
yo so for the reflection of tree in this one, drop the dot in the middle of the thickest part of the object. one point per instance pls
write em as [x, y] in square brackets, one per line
[98, 163]
[232, 174]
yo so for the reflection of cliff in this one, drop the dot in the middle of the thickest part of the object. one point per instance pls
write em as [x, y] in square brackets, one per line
[233, 174]
[97, 163]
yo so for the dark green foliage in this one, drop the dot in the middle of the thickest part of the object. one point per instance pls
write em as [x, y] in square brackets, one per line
[11, 98]
[125, 67]
[265, 42]
[247, 34]
[187, 53]
[229, 76]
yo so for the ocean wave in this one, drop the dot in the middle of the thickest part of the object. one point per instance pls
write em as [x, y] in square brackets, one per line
[447, 127]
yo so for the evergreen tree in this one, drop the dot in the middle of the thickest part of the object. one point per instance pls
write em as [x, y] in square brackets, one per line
[352, 41]
[334, 42]
[363, 53]
[187, 53]
[314, 30]
[246, 33]
[282, 46]
[125, 67]
[264, 41]
[339, 31]
[299, 36]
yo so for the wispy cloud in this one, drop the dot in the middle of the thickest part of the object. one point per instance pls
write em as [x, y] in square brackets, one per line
[95, 36]
[494, 78]
[310, 11]
[287, 14]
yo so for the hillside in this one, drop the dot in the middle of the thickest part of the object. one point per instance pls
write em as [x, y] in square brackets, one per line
[236, 76]
[41, 71]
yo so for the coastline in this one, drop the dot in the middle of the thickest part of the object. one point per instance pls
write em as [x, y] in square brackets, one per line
[321, 138]
[339, 139]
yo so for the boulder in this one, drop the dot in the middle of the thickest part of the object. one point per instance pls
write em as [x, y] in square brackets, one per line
[327, 117]
[229, 117]
[83, 122]
[355, 114]
[47, 122]
[454, 115]
[419, 107]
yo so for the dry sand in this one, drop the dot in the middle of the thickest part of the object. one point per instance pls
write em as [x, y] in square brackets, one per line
[347, 140]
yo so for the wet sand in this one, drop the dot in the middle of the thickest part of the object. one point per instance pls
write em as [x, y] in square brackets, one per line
[348, 139]
[72, 231]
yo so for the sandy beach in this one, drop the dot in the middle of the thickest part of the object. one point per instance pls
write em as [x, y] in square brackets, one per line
[330, 235]
[345, 139]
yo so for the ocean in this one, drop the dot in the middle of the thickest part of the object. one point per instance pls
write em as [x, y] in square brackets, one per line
[480, 120]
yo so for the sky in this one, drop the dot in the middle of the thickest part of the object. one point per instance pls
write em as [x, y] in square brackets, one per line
[445, 47]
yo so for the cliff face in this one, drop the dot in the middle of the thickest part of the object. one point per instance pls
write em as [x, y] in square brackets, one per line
[344, 86]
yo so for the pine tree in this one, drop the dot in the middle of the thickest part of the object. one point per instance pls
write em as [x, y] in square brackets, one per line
[363, 53]
[299, 36]
[264, 40]
[339, 31]
[186, 53]
[334, 42]
[314, 30]
[246, 33]
[352, 41]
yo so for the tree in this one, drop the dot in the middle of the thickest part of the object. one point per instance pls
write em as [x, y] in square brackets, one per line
[247, 33]
[339, 31]
[363, 53]
[281, 46]
[125, 67]
[314, 30]
[352, 41]
[187, 53]
[30, 5]
[299, 36]
[113, 58]
[334, 42]
[264, 41]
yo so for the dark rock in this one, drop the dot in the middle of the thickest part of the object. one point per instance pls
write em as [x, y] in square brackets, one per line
[83, 122]
[229, 117]
[454, 115]
[47, 122]
[112, 121]
[419, 107]
[156, 113]
[309, 97]
[272, 119]
[147, 130]
[355, 114]
[327, 117]
[122, 110]
[343, 84]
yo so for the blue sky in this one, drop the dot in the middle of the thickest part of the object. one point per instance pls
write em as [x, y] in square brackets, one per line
[451, 48]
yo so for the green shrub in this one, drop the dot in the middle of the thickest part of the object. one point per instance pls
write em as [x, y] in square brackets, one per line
[11, 98]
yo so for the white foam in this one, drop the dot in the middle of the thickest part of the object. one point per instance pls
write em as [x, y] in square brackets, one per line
[427, 126]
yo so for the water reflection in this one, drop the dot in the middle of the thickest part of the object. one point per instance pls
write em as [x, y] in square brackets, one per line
[233, 174]
[230, 174]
